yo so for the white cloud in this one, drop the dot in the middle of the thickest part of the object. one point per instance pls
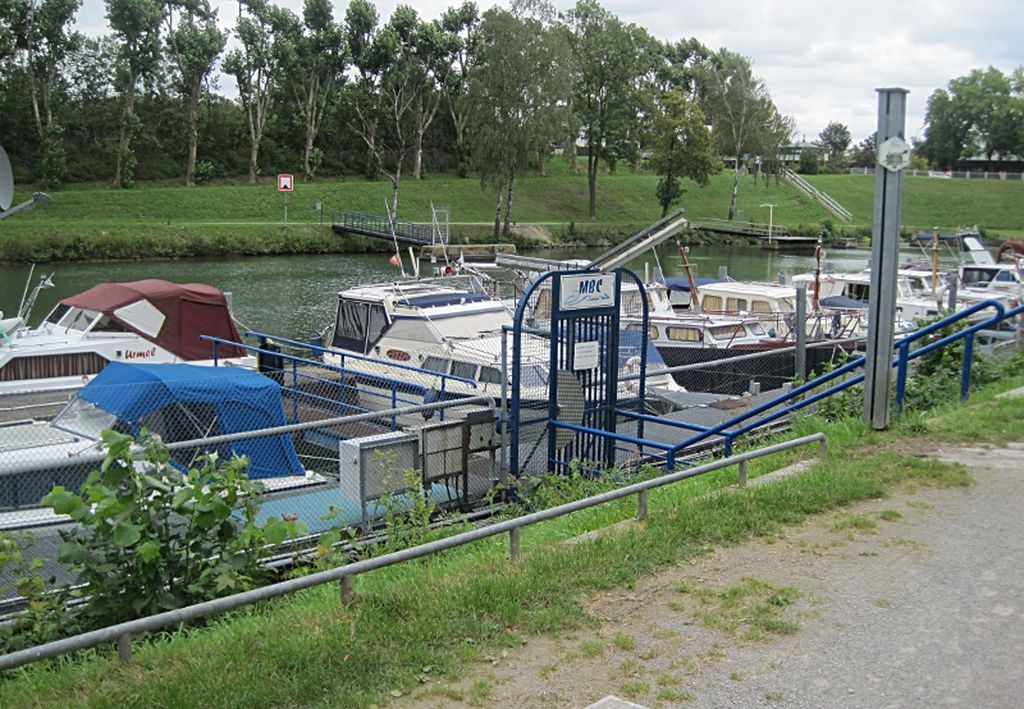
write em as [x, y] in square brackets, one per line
[822, 61]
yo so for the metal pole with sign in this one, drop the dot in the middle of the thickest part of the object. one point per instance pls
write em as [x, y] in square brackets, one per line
[893, 156]
[285, 183]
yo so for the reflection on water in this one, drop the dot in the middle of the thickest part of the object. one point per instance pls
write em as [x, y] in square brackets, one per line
[294, 296]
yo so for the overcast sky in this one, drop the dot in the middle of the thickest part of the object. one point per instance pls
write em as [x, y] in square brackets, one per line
[822, 61]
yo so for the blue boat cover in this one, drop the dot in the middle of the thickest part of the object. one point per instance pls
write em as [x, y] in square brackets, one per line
[242, 399]
[842, 301]
[681, 283]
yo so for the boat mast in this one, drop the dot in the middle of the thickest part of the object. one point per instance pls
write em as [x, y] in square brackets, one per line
[694, 296]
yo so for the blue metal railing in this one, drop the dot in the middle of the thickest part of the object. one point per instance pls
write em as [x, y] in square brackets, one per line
[366, 383]
[777, 408]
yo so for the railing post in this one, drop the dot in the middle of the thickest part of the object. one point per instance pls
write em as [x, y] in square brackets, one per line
[728, 444]
[513, 543]
[743, 474]
[124, 647]
[823, 448]
[641, 505]
[965, 375]
[670, 461]
[901, 374]
[347, 588]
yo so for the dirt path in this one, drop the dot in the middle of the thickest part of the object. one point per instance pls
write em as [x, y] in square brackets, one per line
[916, 599]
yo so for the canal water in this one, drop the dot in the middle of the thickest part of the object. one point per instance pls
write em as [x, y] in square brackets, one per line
[295, 296]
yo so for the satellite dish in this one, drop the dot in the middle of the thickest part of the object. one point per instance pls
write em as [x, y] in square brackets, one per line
[6, 181]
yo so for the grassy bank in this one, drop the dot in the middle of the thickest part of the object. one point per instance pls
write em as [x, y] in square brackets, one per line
[151, 220]
[428, 620]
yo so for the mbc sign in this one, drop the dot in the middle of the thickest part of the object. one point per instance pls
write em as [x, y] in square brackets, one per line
[586, 291]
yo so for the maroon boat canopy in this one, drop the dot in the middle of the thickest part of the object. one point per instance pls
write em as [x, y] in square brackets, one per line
[188, 311]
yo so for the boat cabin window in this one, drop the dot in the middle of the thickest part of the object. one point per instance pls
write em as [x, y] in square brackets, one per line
[735, 304]
[684, 334]
[359, 325]
[858, 291]
[712, 302]
[652, 330]
[760, 306]
[727, 332]
[974, 276]
[466, 370]
[490, 375]
[755, 328]
[436, 364]
[1005, 277]
[108, 324]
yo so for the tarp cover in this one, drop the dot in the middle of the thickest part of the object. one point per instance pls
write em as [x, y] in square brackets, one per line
[681, 283]
[190, 310]
[242, 399]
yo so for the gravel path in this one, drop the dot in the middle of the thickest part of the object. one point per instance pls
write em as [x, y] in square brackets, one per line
[921, 606]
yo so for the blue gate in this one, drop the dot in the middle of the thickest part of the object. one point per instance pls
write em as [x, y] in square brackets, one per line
[576, 363]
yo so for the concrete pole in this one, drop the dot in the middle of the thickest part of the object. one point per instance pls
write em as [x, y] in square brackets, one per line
[885, 245]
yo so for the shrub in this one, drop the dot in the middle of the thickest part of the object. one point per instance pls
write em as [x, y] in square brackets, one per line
[149, 538]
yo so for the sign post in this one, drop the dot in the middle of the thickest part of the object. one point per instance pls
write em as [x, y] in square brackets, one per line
[285, 183]
[893, 156]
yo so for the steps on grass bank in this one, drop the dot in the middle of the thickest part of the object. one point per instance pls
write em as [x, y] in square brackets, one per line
[834, 208]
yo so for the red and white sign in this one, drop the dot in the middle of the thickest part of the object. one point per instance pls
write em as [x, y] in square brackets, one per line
[285, 182]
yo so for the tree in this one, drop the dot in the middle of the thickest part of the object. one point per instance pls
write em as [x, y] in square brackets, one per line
[518, 87]
[614, 64]
[745, 119]
[835, 138]
[136, 24]
[865, 152]
[255, 67]
[372, 51]
[43, 38]
[194, 45]
[682, 147]
[974, 116]
[461, 25]
[313, 63]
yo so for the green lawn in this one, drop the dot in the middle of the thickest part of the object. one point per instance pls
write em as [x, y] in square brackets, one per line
[171, 220]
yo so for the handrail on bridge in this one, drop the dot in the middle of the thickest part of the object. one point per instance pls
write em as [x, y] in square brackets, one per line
[122, 633]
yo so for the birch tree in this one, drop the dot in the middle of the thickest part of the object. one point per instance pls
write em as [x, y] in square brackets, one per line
[255, 66]
[194, 42]
[313, 62]
[136, 25]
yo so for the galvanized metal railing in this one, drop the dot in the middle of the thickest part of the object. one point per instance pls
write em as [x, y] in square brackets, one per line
[122, 633]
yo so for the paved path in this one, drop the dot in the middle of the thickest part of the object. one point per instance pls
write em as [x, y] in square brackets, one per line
[925, 610]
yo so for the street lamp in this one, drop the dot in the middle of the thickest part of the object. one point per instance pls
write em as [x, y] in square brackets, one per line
[771, 214]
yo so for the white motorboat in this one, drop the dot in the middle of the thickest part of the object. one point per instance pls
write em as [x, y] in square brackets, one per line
[148, 321]
[448, 329]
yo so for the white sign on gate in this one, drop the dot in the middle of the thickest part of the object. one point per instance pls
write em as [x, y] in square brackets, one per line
[585, 355]
[587, 290]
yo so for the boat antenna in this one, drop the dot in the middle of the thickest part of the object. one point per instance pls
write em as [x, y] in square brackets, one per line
[935, 260]
[25, 309]
[24, 293]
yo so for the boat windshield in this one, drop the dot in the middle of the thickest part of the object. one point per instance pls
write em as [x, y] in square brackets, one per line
[71, 317]
[85, 419]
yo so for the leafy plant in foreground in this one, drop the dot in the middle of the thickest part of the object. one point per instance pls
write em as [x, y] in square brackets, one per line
[149, 538]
